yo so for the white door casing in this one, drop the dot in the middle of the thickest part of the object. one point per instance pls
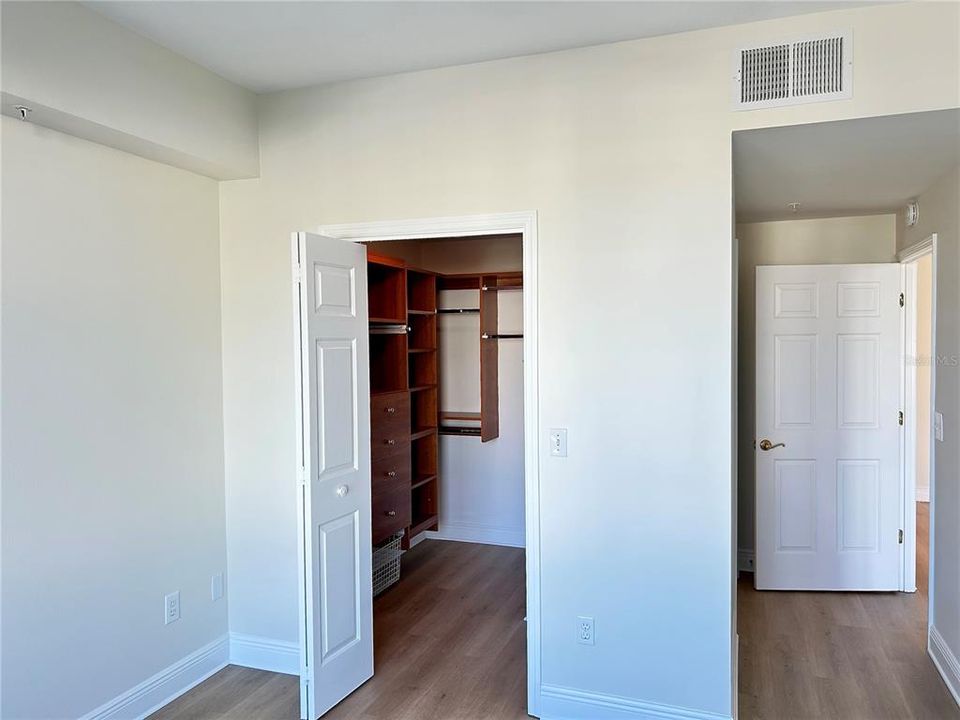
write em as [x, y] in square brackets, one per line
[330, 299]
[829, 502]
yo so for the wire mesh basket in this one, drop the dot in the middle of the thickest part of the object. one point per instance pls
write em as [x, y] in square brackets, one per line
[386, 563]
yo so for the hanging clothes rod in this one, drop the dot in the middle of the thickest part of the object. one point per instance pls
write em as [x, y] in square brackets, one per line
[501, 336]
[454, 430]
[389, 329]
[458, 310]
[499, 288]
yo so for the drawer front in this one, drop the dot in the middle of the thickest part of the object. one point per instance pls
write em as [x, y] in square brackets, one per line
[392, 471]
[389, 423]
[391, 512]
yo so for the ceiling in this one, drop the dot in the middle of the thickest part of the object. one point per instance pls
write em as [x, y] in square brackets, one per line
[268, 46]
[852, 167]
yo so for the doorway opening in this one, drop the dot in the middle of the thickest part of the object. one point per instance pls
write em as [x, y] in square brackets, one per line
[833, 405]
[452, 359]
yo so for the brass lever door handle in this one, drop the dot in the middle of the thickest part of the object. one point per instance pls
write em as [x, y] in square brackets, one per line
[766, 445]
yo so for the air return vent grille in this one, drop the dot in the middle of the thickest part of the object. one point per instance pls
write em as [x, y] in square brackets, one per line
[789, 73]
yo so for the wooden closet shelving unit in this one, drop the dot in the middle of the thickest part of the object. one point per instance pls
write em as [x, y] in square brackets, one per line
[404, 379]
[489, 285]
[404, 387]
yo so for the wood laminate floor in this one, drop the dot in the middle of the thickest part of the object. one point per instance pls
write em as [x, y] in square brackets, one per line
[842, 656]
[449, 643]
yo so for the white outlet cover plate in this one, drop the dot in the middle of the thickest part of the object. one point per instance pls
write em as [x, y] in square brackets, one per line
[216, 586]
[171, 607]
[585, 630]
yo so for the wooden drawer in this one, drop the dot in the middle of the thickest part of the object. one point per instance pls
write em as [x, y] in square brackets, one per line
[391, 512]
[391, 471]
[389, 423]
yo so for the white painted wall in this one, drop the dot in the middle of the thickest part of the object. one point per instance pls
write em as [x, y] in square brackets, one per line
[624, 151]
[923, 358]
[857, 239]
[940, 214]
[86, 75]
[112, 454]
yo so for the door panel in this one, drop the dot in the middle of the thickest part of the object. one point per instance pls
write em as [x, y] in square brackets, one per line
[796, 504]
[796, 380]
[335, 397]
[828, 501]
[330, 295]
[339, 586]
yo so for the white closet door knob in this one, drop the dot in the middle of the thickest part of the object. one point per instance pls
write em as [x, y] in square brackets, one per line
[343, 490]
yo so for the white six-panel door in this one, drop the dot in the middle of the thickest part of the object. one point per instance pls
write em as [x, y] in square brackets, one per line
[330, 297]
[828, 501]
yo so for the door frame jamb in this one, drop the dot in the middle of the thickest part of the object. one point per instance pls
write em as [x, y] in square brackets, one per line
[524, 223]
[907, 258]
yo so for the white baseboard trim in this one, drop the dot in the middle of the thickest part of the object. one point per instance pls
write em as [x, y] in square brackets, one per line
[923, 494]
[946, 662]
[166, 686]
[479, 533]
[262, 653]
[745, 561]
[558, 703]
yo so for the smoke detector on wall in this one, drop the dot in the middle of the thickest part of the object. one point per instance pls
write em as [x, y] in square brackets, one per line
[792, 72]
[913, 213]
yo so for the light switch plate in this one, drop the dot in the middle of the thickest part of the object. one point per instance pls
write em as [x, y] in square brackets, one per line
[558, 442]
[938, 426]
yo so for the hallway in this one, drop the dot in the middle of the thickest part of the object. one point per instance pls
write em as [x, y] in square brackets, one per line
[843, 656]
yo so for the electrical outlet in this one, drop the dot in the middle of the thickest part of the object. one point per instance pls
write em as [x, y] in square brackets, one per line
[938, 426]
[558, 442]
[585, 634]
[216, 586]
[171, 607]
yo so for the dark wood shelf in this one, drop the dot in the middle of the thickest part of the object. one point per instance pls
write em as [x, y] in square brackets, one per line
[421, 523]
[421, 350]
[460, 415]
[411, 311]
[420, 388]
[420, 481]
[422, 433]
[388, 321]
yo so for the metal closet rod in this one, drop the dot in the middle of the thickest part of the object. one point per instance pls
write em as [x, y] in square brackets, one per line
[458, 310]
[458, 430]
[389, 329]
[501, 336]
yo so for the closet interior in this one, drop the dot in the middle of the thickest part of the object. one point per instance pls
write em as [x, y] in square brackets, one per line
[436, 339]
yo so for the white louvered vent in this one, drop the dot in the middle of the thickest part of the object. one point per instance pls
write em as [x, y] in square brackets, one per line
[790, 73]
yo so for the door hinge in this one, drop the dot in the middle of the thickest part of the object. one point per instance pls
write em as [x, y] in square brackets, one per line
[902, 300]
[297, 272]
[901, 537]
[301, 476]
[900, 417]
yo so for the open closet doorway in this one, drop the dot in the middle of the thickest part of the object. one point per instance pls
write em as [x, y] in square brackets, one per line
[837, 300]
[439, 526]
